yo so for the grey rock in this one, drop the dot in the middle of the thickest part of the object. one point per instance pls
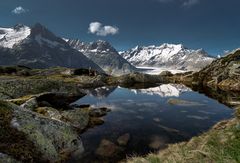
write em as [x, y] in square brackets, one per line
[30, 104]
[50, 137]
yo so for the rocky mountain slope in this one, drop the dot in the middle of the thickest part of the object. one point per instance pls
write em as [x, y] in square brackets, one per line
[103, 54]
[168, 56]
[223, 73]
[37, 47]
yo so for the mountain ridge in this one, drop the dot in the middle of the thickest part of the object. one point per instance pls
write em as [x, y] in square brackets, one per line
[103, 54]
[175, 56]
[40, 48]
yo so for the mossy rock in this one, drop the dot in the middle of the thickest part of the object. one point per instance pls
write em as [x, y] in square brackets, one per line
[30, 137]
[13, 142]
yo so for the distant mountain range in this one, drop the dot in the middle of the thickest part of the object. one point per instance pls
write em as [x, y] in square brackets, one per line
[102, 53]
[168, 56]
[37, 47]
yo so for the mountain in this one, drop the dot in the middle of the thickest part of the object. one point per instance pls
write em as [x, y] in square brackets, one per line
[37, 47]
[103, 54]
[168, 56]
[223, 72]
[164, 90]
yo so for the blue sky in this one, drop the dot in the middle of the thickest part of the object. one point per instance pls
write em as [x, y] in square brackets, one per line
[213, 25]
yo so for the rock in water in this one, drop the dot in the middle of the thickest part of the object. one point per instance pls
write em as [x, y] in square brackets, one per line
[107, 148]
[123, 140]
[180, 102]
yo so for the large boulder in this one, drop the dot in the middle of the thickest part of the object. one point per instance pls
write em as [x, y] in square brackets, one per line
[40, 138]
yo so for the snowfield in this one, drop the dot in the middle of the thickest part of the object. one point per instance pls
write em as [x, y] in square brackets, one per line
[12, 36]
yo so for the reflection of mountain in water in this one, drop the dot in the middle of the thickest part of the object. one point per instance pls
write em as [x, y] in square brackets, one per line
[100, 92]
[165, 90]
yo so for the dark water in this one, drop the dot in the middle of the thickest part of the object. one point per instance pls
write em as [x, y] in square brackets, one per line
[150, 120]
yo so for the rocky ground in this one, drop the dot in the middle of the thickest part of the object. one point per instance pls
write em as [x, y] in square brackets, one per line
[38, 124]
[44, 127]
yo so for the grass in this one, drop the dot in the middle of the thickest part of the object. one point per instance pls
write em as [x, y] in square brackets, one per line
[221, 144]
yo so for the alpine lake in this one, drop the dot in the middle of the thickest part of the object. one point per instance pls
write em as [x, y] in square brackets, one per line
[146, 119]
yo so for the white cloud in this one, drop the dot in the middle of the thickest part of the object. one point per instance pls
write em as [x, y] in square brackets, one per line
[190, 3]
[101, 30]
[19, 10]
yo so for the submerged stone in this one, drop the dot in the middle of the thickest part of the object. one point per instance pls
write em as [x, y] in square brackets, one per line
[157, 142]
[180, 102]
[124, 139]
[107, 149]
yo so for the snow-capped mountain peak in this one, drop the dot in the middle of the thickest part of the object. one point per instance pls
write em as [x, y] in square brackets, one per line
[173, 56]
[43, 36]
[38, 47]
[12, 36]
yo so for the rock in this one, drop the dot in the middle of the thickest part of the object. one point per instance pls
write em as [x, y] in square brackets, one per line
[80, 106]
[78, 118]
[49, 112]
[173, 101]
[103, 109]
[21, 100]
[157, 142]
[4, 158]
[98, 112]
[123, 140]
[4, 96]
[44, 104]
[237, 112]
[166, 73]
[94, 121]
[223, 73]
[49, 137]
[30, 104]
[107, 149]
[58, 100]
[16, 87]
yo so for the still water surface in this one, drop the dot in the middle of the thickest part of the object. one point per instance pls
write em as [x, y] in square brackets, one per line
[148, 117]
